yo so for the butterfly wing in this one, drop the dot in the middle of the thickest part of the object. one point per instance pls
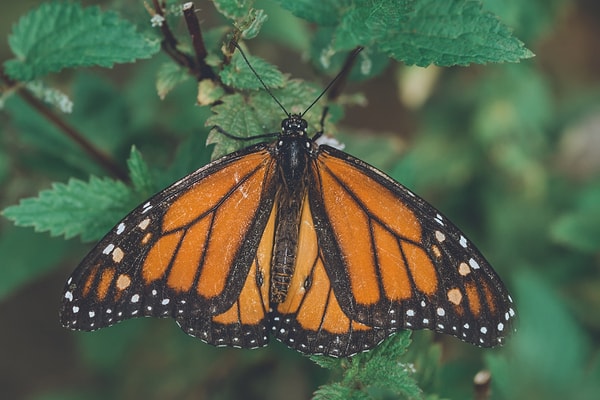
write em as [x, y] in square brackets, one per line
[188, 253]
[311, 319]
[382, 259]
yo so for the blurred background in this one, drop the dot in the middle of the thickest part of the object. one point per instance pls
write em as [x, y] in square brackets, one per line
[509, 152]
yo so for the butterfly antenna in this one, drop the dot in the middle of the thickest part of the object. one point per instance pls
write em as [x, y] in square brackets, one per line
[349, 63]
[237, 46]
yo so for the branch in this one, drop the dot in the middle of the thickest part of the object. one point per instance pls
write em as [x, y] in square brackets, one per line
[195, 66]
[99, 156]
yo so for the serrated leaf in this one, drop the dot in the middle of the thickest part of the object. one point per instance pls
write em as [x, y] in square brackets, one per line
[63, 35]
[369, 63]
[209, 92]
[422, 32]
[233, 9]
[169, 75]
[140, 173]
[235, 117]
[253, 23]
[238, 75]
[322, 12]
[455, 32]
[88, 209]
[258, 114]
[378, 371]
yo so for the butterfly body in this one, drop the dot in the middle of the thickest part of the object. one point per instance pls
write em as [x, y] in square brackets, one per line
[300, 241]
[293, 150]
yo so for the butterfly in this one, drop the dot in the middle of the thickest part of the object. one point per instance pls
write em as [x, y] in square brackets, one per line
[296, 240]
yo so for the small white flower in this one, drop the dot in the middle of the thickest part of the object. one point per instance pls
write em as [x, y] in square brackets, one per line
[157, 20]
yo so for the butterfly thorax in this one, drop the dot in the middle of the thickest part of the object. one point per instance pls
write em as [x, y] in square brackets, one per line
[292, 152]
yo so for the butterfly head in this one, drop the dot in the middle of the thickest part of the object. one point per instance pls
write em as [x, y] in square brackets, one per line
[294, 125]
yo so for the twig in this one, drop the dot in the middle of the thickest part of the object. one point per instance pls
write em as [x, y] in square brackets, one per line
[169, 43]
[100, 157]
[195, 66]
[193, 26]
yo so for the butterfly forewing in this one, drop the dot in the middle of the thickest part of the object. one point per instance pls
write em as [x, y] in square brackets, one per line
[187, 253]
[396, 262]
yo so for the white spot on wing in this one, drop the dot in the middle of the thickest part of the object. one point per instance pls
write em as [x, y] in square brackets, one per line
[108, 249]
[474, 264]
[146, 207]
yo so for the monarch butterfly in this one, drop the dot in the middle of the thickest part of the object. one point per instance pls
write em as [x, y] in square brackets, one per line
[302, 240]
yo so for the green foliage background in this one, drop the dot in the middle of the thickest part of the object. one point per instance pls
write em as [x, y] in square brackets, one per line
[509, 151]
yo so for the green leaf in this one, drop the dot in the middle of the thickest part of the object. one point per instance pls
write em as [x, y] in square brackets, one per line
[65, 35]
[378, 373]
[238, 75]
[455, 32]
[209, 92]
[140, 174]
[322, 12]
[258, 113]
[235, 116]
[252, 25]
[368, 64]
[88, 209]
[233, 9]
[169, 75]
[421, 32]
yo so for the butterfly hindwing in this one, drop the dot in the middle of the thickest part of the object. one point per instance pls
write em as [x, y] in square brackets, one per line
[311, 319]
[187, 253]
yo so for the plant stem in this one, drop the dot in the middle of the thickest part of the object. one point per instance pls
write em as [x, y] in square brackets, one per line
[99, 156]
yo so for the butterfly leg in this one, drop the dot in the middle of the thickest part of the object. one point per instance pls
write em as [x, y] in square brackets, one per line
[232, 136]
[319, 133]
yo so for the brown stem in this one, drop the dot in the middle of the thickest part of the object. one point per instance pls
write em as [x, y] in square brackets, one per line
[169, 42]
[195, 66]
[191, 20]
[100, 157]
